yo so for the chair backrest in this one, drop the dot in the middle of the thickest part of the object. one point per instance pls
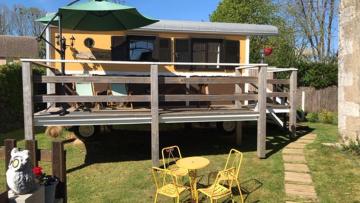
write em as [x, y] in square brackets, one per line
[164, 177]
[170, 155]
[118, 89]
[234, 160]
[219, 181]
[84, 89]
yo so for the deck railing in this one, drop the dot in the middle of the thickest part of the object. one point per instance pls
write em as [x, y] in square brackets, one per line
[154, 79]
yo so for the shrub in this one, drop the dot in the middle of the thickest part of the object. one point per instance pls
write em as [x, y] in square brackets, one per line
[11, 105]
[353, 146]
[312, 117]
[327, 117]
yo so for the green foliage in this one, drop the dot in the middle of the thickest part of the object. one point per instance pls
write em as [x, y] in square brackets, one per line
[11, 105]
[260, 12]
[317, 74]
[323, 116]
[312, 117]
[353, 146]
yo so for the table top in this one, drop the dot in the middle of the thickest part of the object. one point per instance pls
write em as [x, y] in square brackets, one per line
[193, 163]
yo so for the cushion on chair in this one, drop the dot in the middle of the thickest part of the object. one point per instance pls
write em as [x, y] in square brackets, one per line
[118, 89]
[84, 89]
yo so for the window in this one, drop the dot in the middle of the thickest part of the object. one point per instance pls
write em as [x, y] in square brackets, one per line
[89, 42]
[141, 48]
[165, 51]
[206, 51]
[182, 50]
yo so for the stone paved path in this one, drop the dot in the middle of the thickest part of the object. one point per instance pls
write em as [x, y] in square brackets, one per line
[298, 182]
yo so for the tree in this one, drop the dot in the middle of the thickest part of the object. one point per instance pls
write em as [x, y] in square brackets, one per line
[260, 12]
[315, 22]
[4, 20]
[23, 20]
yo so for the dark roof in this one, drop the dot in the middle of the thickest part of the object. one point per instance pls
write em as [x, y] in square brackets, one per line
[210, 28]
[18, 47]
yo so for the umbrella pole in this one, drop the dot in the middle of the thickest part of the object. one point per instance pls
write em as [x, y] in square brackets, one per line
[62, 56]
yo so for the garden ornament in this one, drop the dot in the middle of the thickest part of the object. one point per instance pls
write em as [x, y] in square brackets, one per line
[19, 175]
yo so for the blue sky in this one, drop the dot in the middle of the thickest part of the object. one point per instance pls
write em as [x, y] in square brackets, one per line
[198, 10]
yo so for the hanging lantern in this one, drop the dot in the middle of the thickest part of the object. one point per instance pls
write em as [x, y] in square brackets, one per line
[268, 51]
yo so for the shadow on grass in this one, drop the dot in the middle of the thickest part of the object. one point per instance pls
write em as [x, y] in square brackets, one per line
[135, 144]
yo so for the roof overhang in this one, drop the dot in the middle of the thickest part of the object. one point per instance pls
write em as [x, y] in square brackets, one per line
[210, 28]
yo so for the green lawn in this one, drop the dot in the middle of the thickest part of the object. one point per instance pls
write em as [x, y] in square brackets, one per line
[118, 168]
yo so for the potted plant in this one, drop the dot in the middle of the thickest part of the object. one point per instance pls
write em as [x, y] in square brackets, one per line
[49, 183]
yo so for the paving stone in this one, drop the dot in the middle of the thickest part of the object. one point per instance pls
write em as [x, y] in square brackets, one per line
[304, 141]
[303, 191]
[294, 159]
[293, 151]
[296, 167]
[302, 178]
[295, 145]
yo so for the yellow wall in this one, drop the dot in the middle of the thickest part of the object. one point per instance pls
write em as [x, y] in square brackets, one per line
[102, 50]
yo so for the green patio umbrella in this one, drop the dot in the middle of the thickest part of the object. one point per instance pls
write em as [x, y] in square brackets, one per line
[98, 15]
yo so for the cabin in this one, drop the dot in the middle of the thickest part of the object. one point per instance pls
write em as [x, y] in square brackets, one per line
[15, 47]
[166, 72]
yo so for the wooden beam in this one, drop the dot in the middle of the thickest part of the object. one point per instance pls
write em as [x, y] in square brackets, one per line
[100, 98]
[278, 81]
[238, 90]
[292, 113]
[154, 115]
[31, 145]
[208, 80]
[277, 94]
[227, 97]
[239, 134]
[94, 79]
[59, 168]
[28, 101]
[261, 125]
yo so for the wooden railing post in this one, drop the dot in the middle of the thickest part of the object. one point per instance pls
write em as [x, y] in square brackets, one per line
[9, 145]
[31, 145]
[238, 90]
[261, 125]
[27, 80]
[154, 115]
[292, 113]
[59, 168]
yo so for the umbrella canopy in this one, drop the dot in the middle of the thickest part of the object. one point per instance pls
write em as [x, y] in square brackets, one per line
[98, 15]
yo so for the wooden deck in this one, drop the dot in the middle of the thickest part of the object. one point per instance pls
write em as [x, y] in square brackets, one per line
[142, 116]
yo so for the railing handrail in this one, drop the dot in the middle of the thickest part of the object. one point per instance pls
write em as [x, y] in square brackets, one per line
[145, 63]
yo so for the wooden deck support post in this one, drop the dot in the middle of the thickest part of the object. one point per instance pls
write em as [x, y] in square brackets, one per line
[27, 80]
[154, 115]
[238, 90]
[261, 125]
[9, 145]
[59, 168]
[31, 145]
[292, 113]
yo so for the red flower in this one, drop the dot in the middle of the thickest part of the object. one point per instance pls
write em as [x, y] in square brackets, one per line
[37, 171]
[268, 51]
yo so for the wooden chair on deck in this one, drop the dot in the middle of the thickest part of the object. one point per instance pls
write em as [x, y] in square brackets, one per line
[85, 89]
[117, 89]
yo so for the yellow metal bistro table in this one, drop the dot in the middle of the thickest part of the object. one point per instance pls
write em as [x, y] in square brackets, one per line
[192, 164]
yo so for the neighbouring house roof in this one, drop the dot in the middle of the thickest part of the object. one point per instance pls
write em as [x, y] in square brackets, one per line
[18, 47]
[210, 28]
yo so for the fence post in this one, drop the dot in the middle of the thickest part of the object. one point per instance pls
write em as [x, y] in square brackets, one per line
[59, 168]
[261, 125]
[154, 115]
[9, 145]
[32, 146]
[292, 113]
[27, 80]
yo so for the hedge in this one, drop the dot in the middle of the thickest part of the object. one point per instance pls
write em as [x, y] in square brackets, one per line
[11, 97]
[316, 74]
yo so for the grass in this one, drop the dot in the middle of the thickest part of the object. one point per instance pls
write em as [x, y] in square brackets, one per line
[117, 169]
[336, 174]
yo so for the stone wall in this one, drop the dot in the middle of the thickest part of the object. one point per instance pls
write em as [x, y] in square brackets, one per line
[349, 69]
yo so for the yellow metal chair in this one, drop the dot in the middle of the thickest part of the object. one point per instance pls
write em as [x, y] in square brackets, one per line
[233, 161]
[167, 184]
[218, 189]
[169, 157]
